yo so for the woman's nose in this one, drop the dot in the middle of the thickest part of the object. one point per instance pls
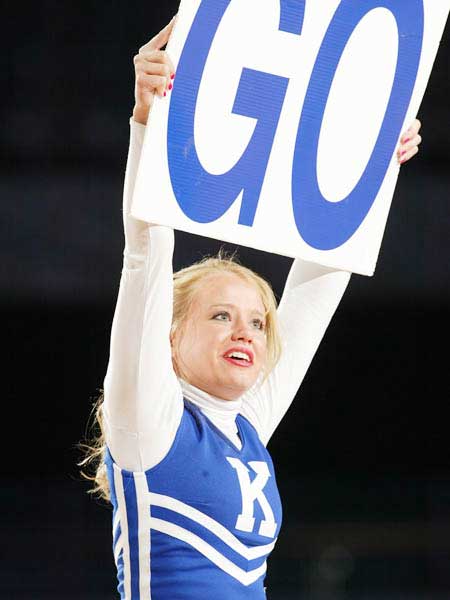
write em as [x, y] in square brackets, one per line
[243, 332]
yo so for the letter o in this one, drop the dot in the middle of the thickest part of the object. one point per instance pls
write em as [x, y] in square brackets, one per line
[326, 225]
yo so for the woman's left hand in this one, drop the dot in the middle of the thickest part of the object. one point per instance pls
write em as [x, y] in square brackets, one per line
[409, 142]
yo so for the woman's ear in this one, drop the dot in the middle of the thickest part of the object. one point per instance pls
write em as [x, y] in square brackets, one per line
[173, 344]
[172, 337]
[174, 360]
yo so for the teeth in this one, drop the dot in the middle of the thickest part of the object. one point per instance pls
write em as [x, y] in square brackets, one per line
[239, 355]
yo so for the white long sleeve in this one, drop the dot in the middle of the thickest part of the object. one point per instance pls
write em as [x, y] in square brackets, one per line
[310, 298]
[143, 399]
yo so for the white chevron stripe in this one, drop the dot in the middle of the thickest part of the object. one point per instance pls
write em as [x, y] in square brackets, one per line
[244, 577]
[122, 510]
[116, 522]
[118, 547]
[212, 525]
[144, 539]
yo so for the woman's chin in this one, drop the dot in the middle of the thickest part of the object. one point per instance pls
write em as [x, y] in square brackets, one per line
[238, 385]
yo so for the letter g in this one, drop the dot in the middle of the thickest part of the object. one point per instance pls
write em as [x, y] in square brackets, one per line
[202, 196]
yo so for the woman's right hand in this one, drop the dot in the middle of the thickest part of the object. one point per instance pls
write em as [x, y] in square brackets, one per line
[154, 72]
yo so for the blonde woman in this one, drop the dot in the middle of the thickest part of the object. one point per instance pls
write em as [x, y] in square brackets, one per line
[202, 369]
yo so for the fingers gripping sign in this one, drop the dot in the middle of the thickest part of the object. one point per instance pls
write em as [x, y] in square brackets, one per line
[409, 142]
[154, 72]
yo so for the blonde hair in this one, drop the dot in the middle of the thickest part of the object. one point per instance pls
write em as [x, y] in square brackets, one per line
[93, 464]
[185, 285]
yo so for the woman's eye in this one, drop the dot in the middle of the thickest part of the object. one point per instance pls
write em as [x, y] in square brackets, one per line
[222, 316]
[258, 324]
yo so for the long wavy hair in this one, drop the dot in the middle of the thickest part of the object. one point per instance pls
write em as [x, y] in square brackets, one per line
[185, 284]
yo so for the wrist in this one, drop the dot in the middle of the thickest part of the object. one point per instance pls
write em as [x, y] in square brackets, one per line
[140, 114]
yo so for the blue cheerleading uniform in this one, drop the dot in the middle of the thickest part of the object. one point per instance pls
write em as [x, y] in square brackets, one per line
[201, 523]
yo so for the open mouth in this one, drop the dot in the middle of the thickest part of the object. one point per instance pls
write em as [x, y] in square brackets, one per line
[239, 358]
[238, 361]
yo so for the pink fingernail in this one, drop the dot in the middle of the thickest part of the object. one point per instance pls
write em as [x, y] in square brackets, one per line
[165, 94]
[170, 86]
[172, 76]
[407, 140]
[402, 153]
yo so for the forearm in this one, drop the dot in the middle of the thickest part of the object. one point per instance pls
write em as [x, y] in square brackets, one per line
[135, 232]
[302, 271]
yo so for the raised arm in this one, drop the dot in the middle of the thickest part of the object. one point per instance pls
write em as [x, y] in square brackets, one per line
[310, 298]
[143, 400]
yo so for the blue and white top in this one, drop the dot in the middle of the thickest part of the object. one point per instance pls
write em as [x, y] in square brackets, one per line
[205, 518]
[196, 508]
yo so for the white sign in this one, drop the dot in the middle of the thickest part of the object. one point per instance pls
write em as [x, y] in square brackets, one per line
[281, 130]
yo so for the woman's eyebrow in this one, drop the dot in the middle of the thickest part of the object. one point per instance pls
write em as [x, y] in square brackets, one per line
[229, 305]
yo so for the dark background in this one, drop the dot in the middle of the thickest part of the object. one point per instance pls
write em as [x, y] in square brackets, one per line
[362, 458]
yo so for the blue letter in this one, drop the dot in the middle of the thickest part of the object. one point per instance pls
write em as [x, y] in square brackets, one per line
[325, 225]
[204, 197]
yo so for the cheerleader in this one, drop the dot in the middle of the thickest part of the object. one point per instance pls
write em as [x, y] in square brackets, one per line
[203, 366]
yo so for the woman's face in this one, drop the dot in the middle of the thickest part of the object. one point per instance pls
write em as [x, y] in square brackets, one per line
[221, 345]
